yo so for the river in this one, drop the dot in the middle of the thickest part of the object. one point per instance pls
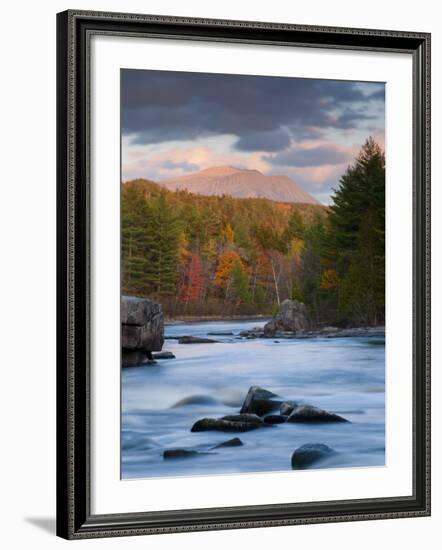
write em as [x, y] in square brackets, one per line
[342, 375]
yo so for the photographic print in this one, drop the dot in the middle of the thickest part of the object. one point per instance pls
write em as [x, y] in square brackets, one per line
[230, 259]
[252, 274]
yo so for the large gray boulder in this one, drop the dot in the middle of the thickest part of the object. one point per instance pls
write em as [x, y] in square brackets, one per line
[142, 326]
[291, 317]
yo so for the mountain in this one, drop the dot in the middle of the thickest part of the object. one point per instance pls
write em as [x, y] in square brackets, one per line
[240, 183]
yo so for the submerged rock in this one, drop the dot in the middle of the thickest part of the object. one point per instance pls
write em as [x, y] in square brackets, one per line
[195, 340]
[256, 332]
[164, 355]
[308, 413]
[259, 401]
[309, 454]
[182, 453]
[292, 317]
[275, 419]
[235, 442]
[226, 425]
[195, 400]
[221, 333]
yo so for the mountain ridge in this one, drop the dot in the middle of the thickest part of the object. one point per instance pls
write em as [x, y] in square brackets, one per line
[240, 183]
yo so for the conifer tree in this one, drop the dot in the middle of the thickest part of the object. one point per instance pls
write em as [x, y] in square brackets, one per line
[356, 241]
[296, 226]
[165, 247]
[137, 240]
[240, 283]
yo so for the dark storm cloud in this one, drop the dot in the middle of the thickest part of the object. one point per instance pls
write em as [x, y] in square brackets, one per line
[273, 140]
[350, 118]
[263, 112]
[316, 156]
[378, 93]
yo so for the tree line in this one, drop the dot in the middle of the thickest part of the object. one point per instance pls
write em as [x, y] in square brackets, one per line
[223, 256]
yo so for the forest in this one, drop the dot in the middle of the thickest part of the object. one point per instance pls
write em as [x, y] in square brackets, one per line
[203, 256]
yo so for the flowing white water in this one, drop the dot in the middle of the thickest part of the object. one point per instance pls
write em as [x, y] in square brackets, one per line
[342, 375]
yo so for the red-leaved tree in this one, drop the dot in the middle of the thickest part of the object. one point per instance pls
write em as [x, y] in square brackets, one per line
[193, 282]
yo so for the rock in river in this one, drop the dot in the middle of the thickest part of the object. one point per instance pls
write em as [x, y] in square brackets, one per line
[275, 419]
[256, 332]
[195, 340]
[195, 400]
[259, 401]
[287, 407]
[136, 358]
[309, 454]
[164, 355]
[142, 330]
[250, 418]
[235, 442]
[182, 453]
[233, 423]
[292, 317]
[308, 413]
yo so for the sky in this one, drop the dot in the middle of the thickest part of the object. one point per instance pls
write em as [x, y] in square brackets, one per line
[174, 123]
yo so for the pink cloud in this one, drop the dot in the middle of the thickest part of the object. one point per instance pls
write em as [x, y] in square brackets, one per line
[160, 165]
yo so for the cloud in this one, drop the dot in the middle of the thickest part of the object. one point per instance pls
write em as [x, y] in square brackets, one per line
[264, 113]
[264, 141]
[174, 123]
[313, 156]
[319, 182]
[352, 117]
[184, 166]
[143, 161]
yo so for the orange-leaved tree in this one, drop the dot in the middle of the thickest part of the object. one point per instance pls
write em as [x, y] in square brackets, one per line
[226, 263]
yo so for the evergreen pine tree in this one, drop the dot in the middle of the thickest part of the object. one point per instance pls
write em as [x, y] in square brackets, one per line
[165, 246]
[136, 243]
[357, 237]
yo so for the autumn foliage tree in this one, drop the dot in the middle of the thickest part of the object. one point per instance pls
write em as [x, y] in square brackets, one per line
[204, 255]
[192, 287]
[226, 263]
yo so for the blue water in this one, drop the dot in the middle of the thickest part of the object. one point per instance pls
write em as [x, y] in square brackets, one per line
[342, 375]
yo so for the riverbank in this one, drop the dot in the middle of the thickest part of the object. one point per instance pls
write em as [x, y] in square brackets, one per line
[191, 319]
[325, 332]
[259, 331]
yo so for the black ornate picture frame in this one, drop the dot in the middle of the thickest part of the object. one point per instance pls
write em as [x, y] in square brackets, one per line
[74, 32]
